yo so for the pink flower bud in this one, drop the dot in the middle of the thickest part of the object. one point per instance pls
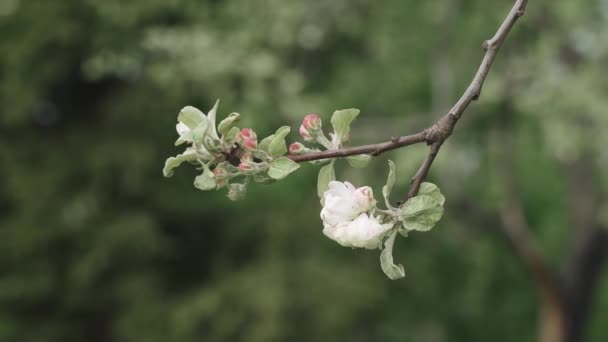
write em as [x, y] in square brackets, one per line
[250, 144]
[248, 137]
[247, 133]
[296, 148]
[312, 122]
[311, 125]
[305, 134]
[245, 166]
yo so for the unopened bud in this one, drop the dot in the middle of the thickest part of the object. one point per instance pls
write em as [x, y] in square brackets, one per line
[364, 198]
[220, 174]
[248, 137]
[297, 148]
[311, 126]
[245, 166]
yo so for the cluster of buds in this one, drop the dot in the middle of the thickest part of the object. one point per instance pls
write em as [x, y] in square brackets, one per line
[247, 138]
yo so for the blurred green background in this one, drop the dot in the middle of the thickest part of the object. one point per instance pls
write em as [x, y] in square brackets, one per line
[95, 245]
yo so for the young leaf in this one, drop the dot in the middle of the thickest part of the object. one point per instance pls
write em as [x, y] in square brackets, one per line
[390, 182]
[422, 212]
[173, 162]
[277, 146]
[386, 259]
[341, 121]
[264, 145]
[191, 117]
[211, 117]
[359, 161]
[205, 181]
[326, 175]
[281, 167]
[228, 123]
[231, 134]
[432, 190]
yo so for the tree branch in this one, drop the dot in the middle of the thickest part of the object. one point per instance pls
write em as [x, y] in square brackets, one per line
[442, 129]
[373, 149]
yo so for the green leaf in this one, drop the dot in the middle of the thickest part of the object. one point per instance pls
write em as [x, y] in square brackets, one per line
[422, 212]
[231, 134]
[386, 259]
[205, 181]
[228, 123]
[277, 146]
[341, 121]
[198, 134]
[390, 182]
[281, 167]
[432, 190]
[172, 162]
[359, 161]
[326, 175]
[263, 178]
[191, 117]
[211, 117]
[264, 145]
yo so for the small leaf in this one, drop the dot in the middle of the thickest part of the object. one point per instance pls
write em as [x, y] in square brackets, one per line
[341, 121]
[191, 117]
[211, 117]
[326, 175]
[390, 182]
[263, 178]
[432, 190]
[421, 212]
[264, 145]
[277, 146]
[386, 259]
[231, 134]
[199, 133]
[281, 167]
[205, 181]
[228, 123]
[173, 162]
[359, 161]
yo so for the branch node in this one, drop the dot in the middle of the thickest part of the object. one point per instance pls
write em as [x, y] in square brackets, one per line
[485, 45]
[394, 140]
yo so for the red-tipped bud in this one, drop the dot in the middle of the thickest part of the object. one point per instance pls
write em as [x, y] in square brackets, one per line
[248, 137]
[305, 134]
[312, 122]
[311, 126]
[245, 166]
[247, 133]
[250, 144]
[296, 148]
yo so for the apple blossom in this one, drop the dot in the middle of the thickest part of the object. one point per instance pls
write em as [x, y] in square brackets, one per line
[343, 202]
[365, 231]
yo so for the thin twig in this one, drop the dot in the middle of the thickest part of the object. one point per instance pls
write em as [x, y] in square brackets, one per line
[423, 170]
[373, 149]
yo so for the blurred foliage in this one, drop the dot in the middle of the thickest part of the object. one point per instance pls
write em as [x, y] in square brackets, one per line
[95, 245]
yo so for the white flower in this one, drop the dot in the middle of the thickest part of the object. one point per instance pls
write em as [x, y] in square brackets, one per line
[342, 202]
[345, 218]
[363, 232]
